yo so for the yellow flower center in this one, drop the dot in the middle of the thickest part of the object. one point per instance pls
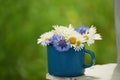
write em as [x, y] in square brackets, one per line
[66, 37]
[78, 43]
[47, 38]
[72, 40]
[86, 37]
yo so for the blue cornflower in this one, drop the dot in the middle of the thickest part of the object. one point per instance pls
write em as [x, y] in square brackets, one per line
[60, 43]
[82, 29]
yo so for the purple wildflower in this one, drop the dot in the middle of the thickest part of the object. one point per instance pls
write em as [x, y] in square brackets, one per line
[82, 29]
[60, 43]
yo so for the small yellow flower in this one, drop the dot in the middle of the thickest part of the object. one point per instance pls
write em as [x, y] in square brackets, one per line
[72, 40]
[86, 37]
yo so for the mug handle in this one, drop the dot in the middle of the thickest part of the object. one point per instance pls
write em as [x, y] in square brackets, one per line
[93, 58]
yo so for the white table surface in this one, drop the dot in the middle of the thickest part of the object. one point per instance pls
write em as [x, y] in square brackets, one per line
[97, 72]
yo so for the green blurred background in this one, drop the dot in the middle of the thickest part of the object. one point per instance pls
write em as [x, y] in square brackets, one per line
[23, 21]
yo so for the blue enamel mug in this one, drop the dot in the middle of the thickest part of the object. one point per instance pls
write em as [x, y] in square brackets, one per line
[70, 63]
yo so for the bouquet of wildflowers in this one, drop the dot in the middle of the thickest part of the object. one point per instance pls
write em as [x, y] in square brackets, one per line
[63, 38]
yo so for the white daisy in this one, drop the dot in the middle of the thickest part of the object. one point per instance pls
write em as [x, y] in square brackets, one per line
[78, 46]
[91, 36]
[63, 31]
[76, 40]
[44, 37]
